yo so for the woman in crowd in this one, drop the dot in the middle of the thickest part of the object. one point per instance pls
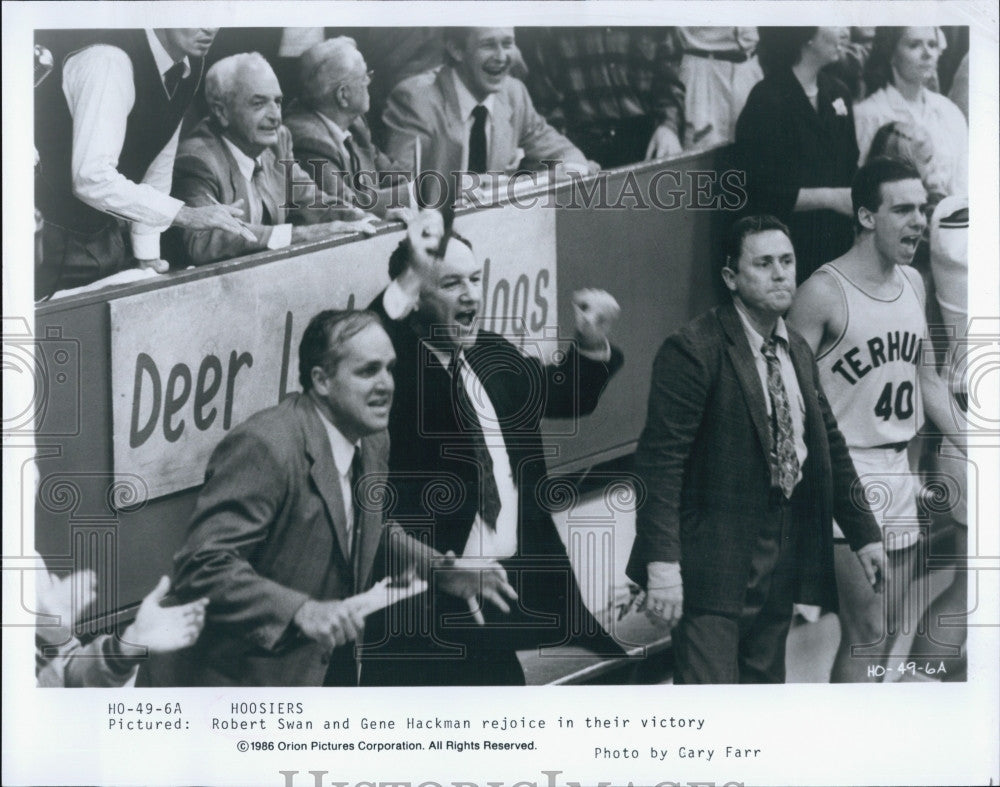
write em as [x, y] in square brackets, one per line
[902, 61]
[795, 140]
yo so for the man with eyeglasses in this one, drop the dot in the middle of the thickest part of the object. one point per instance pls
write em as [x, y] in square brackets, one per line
[330, 134]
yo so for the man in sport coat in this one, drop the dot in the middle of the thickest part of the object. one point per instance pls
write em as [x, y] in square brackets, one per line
[743, 466]
[287, 530]
[458, 387]
[330, 131]
[440, 110]
[239, 154]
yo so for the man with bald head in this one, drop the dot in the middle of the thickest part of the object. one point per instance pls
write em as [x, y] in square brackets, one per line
[241, 152]
[330, 132]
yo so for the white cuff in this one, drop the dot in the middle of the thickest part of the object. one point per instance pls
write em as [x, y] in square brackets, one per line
[397, 302]
[603, 355]
[663, 575]
[281, 236]
[145, 242]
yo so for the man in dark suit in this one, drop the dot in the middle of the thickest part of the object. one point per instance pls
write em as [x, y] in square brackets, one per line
[743, 466]
[284, 535]
[240, 153]
[330, 132]
[472, 115]
[467, 465]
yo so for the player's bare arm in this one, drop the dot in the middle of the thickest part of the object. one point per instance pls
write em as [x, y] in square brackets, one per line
[933, 387]
[818, 312]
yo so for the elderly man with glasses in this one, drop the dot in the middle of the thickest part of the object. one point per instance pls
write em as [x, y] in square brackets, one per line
[330, 134]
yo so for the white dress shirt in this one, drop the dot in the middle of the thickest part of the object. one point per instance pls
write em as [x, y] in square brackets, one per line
[100, 91]
[281, 234]
[335, 130]
[788, 377]
[936, 114]
[343, 457]
[483, 541]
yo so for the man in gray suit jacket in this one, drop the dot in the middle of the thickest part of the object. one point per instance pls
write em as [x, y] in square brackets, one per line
[240, 153]
[471, 115]
[330, 133]
[288, 529]
[743, 466]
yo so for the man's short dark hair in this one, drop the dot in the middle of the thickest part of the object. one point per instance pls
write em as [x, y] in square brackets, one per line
[400, 256]
[324, 338]
[749, 225]
[866, 188]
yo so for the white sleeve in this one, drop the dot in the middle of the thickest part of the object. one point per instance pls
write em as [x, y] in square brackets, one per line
[281, 236]
[100, 92]
[864, 129]
[160, 175]
[397, 302]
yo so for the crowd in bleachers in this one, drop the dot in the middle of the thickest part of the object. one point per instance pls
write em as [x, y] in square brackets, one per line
[168, 148]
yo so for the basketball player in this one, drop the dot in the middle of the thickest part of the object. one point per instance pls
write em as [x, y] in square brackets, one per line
[863, 316]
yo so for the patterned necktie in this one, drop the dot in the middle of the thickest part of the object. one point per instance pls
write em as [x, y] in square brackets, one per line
[477, 140]
[268, 210]
[784, 460]
[172, 78]
[468, 419]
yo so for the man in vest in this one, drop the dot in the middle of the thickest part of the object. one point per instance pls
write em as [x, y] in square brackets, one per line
[106, 130]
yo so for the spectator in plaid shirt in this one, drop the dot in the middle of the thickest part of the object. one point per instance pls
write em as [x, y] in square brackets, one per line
[613, 90]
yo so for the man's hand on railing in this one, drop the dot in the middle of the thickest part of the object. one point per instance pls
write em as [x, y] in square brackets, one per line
[664, 144]
[215, 217]
[311, 232]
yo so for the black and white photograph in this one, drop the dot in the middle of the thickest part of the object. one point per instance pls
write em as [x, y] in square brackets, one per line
[604, 394]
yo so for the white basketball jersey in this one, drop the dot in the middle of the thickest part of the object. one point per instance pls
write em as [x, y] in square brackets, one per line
[870, 374]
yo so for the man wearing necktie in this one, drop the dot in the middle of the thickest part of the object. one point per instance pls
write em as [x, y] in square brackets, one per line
[467, 466]
[107, 124]
[239, 155]
[288, 530]
[330, 131]
[743, 466]
[472, 116]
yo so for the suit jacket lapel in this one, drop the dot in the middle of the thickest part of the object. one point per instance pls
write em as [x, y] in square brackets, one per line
[236, 181]
[746, 373]
[452, 141]
[324, 472]
[502, 140]
[330, 148]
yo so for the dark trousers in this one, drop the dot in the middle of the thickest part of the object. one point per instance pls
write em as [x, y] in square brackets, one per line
[614, 143]
[749, 647]
[343, 667]
[73, 259]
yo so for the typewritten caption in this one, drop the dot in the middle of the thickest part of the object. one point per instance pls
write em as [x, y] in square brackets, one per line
[292, 726]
